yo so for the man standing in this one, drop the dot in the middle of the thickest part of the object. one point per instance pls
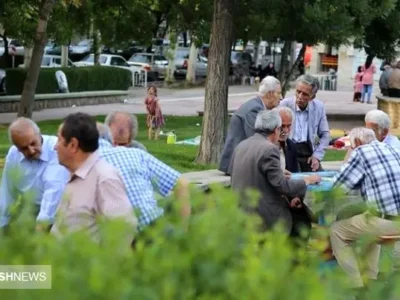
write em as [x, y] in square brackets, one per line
[124, 127]
[32, 173]
[242, 122]
[374, 169]
[141, 172]
[311, 130]
[384, 79]
[95, 188]
[256, 165]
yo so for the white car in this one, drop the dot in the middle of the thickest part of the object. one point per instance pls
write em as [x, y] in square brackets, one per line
[112, 61]
[53, 61]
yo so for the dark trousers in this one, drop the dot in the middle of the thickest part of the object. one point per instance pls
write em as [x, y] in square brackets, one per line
[301, 224]
[395, 93]
[303, 153]
[385, 92]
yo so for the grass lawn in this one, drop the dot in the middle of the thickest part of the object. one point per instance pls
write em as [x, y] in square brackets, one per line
[180, 157]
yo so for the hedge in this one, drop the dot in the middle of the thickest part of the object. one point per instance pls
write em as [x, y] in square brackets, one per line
[218, 254]
[80, 79]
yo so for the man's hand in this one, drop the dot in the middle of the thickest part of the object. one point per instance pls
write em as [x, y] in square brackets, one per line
[314, 162]
[312, 179]
[296, 203]
[287, 174]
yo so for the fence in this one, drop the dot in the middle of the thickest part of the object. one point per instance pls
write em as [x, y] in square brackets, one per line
[139, 78]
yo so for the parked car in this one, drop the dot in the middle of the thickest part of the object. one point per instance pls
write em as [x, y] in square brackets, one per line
[155, 65]
[113, 61]
[2, 81]
[181, 63]
[19, 48]
[54, 61]
[126, 51]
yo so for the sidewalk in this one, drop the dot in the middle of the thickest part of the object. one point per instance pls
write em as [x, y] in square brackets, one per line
[188, 102]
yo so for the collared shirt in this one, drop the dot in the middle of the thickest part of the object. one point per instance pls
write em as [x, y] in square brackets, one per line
[392, 141]
[95, 190]
[41, 181]
[375, 170]
[301, 125]
[141, 172]
[136, 144]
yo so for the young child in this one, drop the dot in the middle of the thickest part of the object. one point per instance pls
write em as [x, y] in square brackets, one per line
[155, 119]
[358, 85]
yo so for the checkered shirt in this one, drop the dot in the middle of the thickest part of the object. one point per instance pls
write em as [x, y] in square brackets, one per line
[141, 173]
[375, 170]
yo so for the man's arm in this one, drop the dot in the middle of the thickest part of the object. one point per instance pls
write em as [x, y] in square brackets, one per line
[323, 135]
[249, 121]
[271, 168]
[7, 192]
[55, 177]
[351, 173]
[167, 179]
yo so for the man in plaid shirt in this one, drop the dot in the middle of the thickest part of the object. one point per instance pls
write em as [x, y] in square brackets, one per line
[374, 169]
[141, 172]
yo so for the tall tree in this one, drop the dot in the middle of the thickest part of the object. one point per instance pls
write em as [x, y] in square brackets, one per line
[216, 97]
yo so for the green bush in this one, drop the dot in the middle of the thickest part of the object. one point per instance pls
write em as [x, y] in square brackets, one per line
[80, 79]
[219, 255]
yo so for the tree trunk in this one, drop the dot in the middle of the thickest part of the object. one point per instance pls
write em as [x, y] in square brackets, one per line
[216, 97]
[64, 56]
[28, 93]
[192, 61]
[169, 78]
[28, 52]
[288, 78]
[96, 47]
[284, 60]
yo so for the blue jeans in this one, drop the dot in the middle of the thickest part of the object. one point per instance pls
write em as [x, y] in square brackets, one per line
[366, 90]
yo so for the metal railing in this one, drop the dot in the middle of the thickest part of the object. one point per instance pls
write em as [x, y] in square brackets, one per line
[139, 78]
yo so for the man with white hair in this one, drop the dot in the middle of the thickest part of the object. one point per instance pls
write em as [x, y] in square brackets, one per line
[242, 122]
[256, 165]
[379, 122]
[32, 173]
[124, 127]
[143, 175]
[374, 169]
[311, 130]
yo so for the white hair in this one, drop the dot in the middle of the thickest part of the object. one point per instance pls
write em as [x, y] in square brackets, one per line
[268, 84]
[285, 110]
[20, 125]
[309, 80]
[267, 121]
[379, 118]
[105, 132]
[365, 135]
[132, 121]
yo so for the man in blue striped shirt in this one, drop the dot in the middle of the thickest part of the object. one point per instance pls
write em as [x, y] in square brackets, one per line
[140, 173]
[32, 172]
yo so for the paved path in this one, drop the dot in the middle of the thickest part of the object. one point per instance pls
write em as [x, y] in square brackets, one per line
[187, 102]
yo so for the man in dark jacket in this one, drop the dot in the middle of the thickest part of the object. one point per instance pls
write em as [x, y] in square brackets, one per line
[242, 122]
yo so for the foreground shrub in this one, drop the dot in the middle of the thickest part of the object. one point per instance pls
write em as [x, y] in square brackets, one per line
[80, 79]
[218, 255]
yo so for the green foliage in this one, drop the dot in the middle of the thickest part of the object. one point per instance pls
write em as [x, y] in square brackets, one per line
[218, 255]
[79, 79]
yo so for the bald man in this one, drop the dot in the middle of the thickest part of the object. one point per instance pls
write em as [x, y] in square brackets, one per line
[32, 173]
[124, 127]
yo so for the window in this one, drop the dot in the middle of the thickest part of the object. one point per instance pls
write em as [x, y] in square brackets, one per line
[90, 59]
[46, 60]
[118, 61]
[141, 58]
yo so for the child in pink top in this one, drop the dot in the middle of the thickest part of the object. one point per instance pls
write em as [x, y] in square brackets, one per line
[368, 79]
[358, 85]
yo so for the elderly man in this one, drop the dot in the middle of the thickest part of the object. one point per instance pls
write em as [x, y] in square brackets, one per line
[379, 122]
[311, 131]
[95, 189]
[124, 127]
[242, 122]
[373, 169]
[287, 147]
[140, 172]
[256, 164]
[32, 173]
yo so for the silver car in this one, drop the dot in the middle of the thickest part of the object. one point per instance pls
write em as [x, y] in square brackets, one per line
[182, 60]
[154, 64]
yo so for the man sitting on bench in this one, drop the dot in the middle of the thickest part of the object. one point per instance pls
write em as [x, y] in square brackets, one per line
[374, 168]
